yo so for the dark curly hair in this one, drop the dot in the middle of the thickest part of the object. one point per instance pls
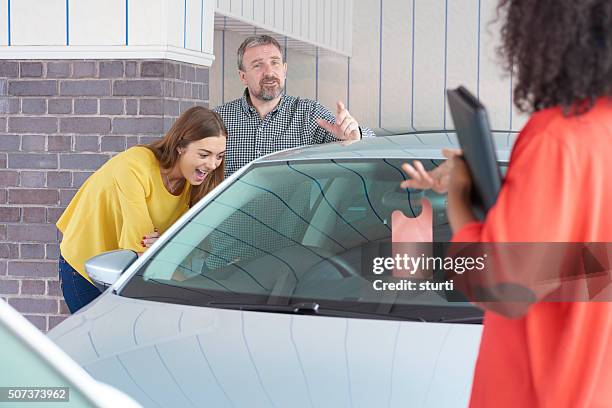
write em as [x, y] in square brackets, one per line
[560, 51]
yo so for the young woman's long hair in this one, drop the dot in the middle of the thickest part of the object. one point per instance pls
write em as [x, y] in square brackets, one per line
[194, 124]
[560, 51]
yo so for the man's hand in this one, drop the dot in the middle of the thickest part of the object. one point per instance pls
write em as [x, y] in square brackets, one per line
[345, 128]
[438, 179]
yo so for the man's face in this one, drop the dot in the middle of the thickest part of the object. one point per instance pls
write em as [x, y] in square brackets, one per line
[263, 72]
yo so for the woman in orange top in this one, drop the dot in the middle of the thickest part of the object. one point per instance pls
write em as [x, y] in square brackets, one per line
[557, 189]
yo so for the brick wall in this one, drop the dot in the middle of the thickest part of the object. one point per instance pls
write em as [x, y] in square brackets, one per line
[59, 122]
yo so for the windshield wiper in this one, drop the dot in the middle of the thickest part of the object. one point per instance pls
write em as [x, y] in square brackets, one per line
[308, 308]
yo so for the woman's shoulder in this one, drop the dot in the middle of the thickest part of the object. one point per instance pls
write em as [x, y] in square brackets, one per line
[139, 158]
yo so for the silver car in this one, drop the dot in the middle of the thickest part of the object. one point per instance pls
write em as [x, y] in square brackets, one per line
[263, 294]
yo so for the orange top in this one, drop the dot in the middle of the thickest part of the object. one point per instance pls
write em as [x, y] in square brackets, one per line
[558, 189]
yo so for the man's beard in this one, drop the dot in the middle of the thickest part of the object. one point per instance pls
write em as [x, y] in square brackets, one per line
[267, 93]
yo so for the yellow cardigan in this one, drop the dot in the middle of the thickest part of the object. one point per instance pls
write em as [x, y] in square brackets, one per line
[116, 206]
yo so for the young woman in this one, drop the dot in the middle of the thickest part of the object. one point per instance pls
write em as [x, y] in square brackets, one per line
[557, 189]
[137, 195]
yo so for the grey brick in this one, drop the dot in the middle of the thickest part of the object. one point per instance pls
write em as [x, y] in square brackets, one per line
[131, 69]
[2, 125]
[10, 105]
[33, 196]
[87, 144]
[188, 73]
[66, 196]
[153, 69]
[32, 124]
[111, 106]
[9, 286]
[205, 93]
[60, 105]
[31, 179]
[111, 69]
[53, 285]
[55, 320]
[33, 143]
[79, 177]
[59, 179]
[34, 305]
[131, 141]
[3, 195]
[9, 69]
[137, 125]
[168, 122]
[40, 322]
[145, 140]
[31, 69]
[58, 69]
[3, 87]
[186, 105]
[32, 287]
[34, 214]
[3, 160]
[82, 161]
[151, 107]
[9, 143]
[171, 70]
[54, 214]
[201, 75]
[32, 88]
[2, 236]
[112, 143]
[168, 87]
[99, 87]
[131, 106]
[33, 105]
[179, 90]
[31, 233]
[59, 143]
[84, 69]
[137, 88]
[85, 125]
[52, 251]
[171, 107]
[10, 214]
[9, 178]
[85, 106]
[9, 251]
[32, 161]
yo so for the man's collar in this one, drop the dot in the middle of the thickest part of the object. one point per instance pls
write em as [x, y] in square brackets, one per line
[246, 105]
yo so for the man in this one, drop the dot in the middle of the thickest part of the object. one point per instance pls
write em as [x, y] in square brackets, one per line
[266, 120]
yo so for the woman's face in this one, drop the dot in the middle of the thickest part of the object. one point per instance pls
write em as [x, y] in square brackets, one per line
[200, 158]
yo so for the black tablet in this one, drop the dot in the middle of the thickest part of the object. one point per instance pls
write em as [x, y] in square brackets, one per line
[474, 134]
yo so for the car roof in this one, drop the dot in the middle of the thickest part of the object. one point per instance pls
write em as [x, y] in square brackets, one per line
[423, 145]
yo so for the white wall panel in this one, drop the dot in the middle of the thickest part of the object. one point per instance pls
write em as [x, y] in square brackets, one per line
[175, 13]
[215, 85]
[35, 22]
[364, 62]
[93, 22]
[269, 13]
[288, 16]
[428, 64]
[301, 74]
[396, 65]
[332, 80]
[462, 50]
[4, 24]
[233, 86]
[209, 22]
[146, 23]
[194, 24]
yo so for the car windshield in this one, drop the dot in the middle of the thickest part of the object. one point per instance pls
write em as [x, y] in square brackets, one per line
[289, 233]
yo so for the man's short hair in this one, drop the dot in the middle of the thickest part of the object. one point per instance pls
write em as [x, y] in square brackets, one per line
[255, 41]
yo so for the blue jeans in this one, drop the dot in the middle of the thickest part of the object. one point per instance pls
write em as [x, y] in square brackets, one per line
[77, 290]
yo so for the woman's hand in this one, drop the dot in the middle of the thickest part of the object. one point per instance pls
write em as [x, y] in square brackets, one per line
[438, 179]
[459, 192]
[150, 239]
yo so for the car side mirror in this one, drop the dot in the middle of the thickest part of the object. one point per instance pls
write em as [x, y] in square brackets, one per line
[106, 268]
